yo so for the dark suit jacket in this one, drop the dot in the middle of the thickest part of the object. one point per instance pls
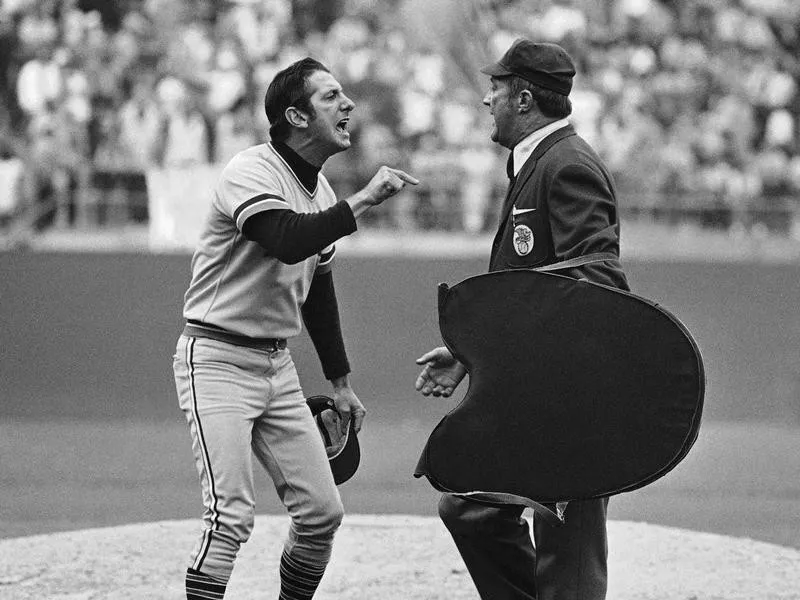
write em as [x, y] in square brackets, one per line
[561, 205]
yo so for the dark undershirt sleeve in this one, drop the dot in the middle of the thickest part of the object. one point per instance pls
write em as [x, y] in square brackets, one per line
[292, 237]
[321, 317]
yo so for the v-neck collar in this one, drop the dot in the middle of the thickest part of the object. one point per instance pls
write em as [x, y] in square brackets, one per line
[307, 175]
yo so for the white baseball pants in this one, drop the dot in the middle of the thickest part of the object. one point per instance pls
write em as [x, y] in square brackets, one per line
[239, 403]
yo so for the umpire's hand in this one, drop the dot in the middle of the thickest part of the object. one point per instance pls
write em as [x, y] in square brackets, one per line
[441, 375]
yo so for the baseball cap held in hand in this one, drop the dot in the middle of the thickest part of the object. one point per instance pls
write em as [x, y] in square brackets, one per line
[544, 64]
[344, 453]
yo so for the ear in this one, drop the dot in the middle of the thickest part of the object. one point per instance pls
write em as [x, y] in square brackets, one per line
[296, 117]
[525, 101]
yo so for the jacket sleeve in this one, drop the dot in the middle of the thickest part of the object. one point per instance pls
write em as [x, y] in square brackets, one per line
[583, 220]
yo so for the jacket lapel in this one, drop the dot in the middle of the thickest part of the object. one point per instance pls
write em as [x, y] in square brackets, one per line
[522, 178]
[530, 165]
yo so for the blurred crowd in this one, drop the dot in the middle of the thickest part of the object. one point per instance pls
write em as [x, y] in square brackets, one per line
[694, 104]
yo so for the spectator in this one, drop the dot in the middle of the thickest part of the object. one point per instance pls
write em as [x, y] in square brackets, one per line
[38, 29]
[417, 114]
[235, 131]
[378, 146]
[441, 176]
[259, 26]
[427, 71]
[562, 19]
[40, 80]
[113, 163]
[141, 124]
[186, 133]
[478, 164]
[676, 94]
[226, 83]
[456, 117]
[11, 173]
[55, 168]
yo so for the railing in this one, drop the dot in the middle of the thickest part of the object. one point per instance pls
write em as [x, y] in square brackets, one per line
[109, 199]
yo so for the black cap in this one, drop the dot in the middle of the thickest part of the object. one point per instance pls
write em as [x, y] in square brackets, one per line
[547, 65]
[344, 453]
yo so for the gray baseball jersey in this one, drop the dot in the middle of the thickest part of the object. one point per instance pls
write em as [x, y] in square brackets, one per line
[235, 286]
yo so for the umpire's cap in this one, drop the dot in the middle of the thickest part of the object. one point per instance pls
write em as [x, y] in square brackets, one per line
[545, 64]
[344, 453]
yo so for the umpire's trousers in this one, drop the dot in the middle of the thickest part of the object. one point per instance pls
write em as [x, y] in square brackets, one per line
[569, 562]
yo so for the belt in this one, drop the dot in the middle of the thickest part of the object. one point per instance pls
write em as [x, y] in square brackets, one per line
[195, 329]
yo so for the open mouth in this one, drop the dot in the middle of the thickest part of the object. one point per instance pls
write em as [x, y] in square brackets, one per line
[341, 126]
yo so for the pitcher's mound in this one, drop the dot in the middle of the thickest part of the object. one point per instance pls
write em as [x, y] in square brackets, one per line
[381, 557]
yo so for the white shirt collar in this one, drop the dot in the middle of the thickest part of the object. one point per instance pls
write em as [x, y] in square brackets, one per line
[525, 148]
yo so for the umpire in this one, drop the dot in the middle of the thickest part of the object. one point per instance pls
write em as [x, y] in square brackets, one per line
[262, 269]
[560, 204]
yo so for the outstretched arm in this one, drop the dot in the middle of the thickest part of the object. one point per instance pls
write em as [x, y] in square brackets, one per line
[441, 375]
[384, 184]
[292, 237]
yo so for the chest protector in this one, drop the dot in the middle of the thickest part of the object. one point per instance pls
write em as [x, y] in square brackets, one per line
[576, 391]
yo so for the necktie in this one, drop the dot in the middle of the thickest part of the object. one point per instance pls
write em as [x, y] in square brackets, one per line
[506, 209]
[510, 167]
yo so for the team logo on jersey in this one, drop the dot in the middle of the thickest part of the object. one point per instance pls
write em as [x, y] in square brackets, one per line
[523, 240]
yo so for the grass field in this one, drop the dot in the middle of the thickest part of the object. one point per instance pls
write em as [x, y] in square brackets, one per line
[740, 479]
[90, 433]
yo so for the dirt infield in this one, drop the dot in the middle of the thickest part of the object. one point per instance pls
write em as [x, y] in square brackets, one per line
[387, 557]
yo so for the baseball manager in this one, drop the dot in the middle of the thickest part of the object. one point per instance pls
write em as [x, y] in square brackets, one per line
[262, 269]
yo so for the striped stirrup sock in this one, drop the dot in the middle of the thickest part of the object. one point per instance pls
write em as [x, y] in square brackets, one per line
[299, 580]
[200, 586]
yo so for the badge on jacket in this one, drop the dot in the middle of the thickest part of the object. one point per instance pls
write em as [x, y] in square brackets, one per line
[523, 240]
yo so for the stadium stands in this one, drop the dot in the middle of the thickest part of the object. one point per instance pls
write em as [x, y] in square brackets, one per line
[694, 104]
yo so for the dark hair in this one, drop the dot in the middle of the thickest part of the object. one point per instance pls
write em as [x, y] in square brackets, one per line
[289, 88]
[552, 104]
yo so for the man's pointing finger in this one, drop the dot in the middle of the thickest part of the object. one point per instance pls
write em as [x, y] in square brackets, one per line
[406, 177]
